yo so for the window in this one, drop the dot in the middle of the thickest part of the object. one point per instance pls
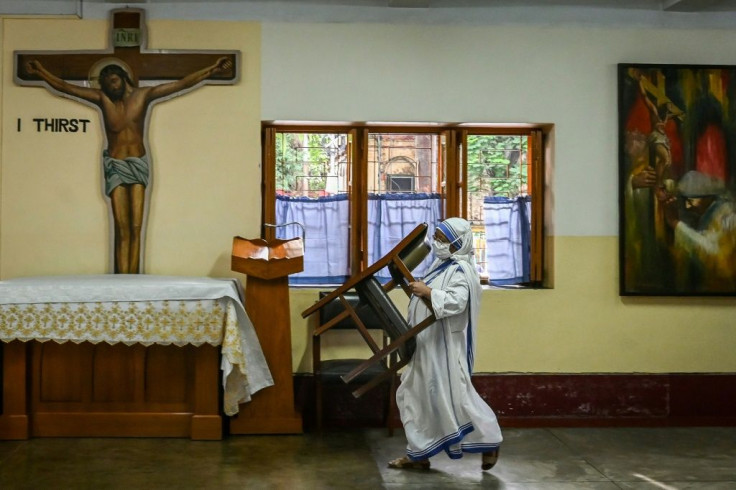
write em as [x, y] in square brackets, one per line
[359, 189]
[499, 204]
[400, 183]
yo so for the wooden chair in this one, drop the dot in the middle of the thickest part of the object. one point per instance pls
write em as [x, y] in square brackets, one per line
[373, 298]
[331, 371]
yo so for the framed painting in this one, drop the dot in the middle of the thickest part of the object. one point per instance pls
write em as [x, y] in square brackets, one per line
[677, 176]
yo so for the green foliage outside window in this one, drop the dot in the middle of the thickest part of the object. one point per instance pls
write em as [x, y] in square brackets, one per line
[497, 164]
[305, 157]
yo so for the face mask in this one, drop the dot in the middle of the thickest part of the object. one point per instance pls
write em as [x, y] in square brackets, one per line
[441, 249]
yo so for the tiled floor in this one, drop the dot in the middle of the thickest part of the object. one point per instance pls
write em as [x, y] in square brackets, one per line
[549, 459]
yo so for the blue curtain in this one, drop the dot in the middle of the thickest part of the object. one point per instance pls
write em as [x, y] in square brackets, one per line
[326, 235]
[508, 239]
[391, 217]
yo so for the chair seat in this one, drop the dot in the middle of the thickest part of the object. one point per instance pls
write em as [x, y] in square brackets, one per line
[393, 322]
[334, 369]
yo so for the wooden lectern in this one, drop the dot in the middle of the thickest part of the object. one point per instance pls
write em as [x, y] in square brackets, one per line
[268, 265]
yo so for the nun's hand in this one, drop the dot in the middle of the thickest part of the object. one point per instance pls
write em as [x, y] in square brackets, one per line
[420, 289]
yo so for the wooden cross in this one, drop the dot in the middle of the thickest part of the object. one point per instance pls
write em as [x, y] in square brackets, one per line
[128, 44]
[658, 92]
[124, 107]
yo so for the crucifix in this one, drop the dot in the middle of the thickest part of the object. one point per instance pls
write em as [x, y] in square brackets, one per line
[122, 84]
[657, 90]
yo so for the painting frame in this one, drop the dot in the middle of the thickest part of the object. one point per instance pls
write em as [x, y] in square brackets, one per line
[677, 179]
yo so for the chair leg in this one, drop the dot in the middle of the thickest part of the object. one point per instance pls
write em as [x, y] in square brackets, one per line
[318, 402]
[317, 371]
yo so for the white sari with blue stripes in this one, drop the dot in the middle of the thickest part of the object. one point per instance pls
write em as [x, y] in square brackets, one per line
[439, 407]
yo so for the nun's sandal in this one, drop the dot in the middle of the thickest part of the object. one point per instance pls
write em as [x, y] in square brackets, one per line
[407, 464]
[489, 459]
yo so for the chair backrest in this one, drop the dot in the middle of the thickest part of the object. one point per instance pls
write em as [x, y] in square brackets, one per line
[412, 254]
[415, 251]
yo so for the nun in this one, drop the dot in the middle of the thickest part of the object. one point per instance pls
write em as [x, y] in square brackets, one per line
[439, 407]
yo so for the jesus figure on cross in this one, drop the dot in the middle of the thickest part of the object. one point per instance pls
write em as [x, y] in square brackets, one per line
[124, 107]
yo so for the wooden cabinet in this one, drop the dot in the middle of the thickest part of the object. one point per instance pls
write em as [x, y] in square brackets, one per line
[102, 390]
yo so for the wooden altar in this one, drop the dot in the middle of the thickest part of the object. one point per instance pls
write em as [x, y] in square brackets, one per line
[147, 364]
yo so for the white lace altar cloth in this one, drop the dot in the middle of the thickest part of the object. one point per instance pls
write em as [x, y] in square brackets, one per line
[144, 309]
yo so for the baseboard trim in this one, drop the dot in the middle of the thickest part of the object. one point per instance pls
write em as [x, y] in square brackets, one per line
[560, 400]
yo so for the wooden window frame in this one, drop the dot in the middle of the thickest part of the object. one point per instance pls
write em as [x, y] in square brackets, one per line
[451, 163]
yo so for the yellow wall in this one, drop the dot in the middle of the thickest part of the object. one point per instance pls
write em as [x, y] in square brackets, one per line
[580, 326]
[205, 152]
